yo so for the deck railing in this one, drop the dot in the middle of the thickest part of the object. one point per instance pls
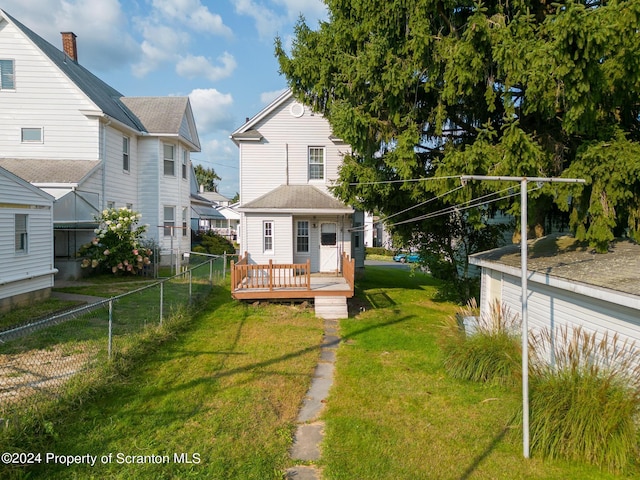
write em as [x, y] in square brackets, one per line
[270, 276]
[349, 270]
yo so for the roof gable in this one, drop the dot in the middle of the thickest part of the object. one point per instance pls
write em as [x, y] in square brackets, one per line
[165, 116]
[296, 197]
[24, 184]
[105, 97]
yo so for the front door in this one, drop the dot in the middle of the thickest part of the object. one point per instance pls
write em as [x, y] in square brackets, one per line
[328, 247]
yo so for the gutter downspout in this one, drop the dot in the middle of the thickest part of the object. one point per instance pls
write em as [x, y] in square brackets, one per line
[104, 162]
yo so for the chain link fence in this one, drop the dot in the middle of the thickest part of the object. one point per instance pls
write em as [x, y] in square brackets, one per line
[41, 359]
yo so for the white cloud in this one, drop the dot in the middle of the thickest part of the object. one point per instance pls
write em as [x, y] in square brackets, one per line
[160, 44]
[268, 97]
[198, 66]
[272, 16]
[213, 111]
[104, 41]
[193, 15]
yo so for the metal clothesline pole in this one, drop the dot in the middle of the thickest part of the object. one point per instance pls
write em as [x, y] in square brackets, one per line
[524, 287]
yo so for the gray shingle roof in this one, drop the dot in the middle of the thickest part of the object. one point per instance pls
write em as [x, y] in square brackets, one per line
[104, 96]
[563, 257]
[297, 197]
[158, 114]
[49, 171]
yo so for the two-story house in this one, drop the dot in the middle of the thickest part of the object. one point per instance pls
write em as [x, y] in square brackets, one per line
[288, 159]
[69, 133]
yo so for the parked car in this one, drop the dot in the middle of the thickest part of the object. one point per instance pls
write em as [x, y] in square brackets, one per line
[407, 258]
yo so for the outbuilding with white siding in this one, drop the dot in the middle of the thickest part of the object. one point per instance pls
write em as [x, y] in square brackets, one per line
[26, 242]
[568, 284]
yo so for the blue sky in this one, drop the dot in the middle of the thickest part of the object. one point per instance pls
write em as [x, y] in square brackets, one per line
[218, 52]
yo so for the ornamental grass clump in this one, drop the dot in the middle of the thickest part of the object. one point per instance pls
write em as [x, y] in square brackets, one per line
[116, 248]
[489, 351]
[584, 397]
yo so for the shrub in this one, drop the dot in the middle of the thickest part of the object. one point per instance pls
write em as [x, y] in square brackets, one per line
[378, 251]
[116, 248]
[212, 243]
[491, 353]
[585, 397]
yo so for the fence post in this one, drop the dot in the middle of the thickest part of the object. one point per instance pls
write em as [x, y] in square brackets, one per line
[110, 327]
[224, 265]
[161, 300]
[211, 271]
[190, 283]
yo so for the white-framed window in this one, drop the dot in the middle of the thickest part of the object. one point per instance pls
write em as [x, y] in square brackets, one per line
[302, 236]
[169, 153]
[111, 205]
[267, 230]
[185, 219]
[185, 163]
[21, 230]
[169, 220]
[7, 75]
[31, 135]
[316, 163]
[125, 154]
[130, 206]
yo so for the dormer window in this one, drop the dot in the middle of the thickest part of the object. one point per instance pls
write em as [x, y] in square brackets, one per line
[7, 75]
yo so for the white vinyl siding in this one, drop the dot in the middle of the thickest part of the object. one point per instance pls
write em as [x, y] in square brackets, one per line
[283, 154]
[41, 91]
[7, 75]
[551, 307]
[30, 270]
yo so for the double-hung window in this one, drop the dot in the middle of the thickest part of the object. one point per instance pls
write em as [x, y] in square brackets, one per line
[21, 233]
[302, 237]
[7, 75]
[169, 221]
[184, 222]
[125, 154]
[316, 163]
[267, 228]
[169, 160]
[185, 163]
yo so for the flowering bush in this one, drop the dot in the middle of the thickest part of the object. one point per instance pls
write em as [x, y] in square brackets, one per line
[116, 247]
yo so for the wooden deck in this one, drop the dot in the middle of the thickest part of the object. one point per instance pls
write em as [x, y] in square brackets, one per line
[289, 281]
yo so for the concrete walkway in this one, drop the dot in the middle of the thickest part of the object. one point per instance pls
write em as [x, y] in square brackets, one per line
[310, 431]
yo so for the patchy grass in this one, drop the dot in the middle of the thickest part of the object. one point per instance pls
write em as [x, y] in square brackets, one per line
[40, 309]
[228, 389]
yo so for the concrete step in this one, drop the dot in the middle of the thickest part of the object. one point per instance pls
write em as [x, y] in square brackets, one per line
[331, 308]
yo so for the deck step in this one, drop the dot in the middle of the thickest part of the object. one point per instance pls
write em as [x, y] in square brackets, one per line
[331, 308]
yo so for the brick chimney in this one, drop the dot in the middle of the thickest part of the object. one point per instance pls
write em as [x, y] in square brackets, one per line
[69, 45]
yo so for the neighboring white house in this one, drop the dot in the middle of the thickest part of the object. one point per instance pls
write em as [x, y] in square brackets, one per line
[26, 242]
[567, 285]
[288, 159]
[69, 133]
[204, 214]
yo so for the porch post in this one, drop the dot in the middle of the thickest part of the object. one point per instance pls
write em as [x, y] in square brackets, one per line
[308, 274]
[270, 275]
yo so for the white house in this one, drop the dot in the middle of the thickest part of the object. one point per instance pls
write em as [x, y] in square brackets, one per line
[26, 242]
[567, 285]
[69, 133]
[288, 159]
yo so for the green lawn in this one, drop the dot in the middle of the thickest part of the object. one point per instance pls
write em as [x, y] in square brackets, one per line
[227, 390]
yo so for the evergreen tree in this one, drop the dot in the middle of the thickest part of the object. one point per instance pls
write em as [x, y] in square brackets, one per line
[207, 177]
[436, 88]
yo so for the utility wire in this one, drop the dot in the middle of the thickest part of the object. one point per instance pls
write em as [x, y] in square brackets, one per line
[423, 179]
